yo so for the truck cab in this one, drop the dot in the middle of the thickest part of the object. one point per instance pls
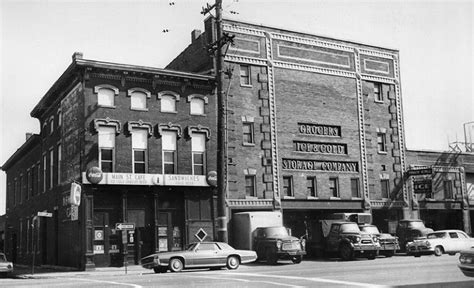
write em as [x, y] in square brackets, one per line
[273, 243]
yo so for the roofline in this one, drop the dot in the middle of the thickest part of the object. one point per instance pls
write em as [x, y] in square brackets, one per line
[79, 63]
[33, 140]
[439, 151]
[312, 34]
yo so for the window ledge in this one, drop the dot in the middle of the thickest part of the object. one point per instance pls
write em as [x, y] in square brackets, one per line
[139, 109]
[311, 198]
[170, 112]
[288, 197]
[334, 198]
[246, 85]
[356, 198]
[379, 101]
[106, 106]
[251, 197]
[202, 115]
[248, 144]
[382, 152]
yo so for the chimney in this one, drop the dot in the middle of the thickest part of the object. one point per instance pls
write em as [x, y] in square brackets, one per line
[28, 135]
[76, 55]
[195, 35]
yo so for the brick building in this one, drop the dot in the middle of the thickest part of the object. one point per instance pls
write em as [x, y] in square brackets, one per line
[314, 125]
[135, 146]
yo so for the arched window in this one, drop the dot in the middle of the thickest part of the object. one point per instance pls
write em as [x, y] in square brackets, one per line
[106, 95]
[168, 101]
[138, 98]
[197, 104]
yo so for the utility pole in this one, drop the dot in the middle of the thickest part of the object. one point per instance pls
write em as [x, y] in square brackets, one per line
[222, 233]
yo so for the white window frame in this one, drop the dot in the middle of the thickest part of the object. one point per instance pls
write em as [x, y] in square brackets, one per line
[133, 93]
[252, 178]
[51, 168]
[101, 129]
[59, 163]
[44, 172]
[112, 100]
[336, 187]
[168, 95]
[246, 77]
[140, 149]
[202, 152]
[163, 151]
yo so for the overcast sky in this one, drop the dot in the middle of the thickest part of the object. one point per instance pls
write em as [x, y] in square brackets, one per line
[435, 40]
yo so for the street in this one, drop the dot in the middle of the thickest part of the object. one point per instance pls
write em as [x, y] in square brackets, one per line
[428, 271]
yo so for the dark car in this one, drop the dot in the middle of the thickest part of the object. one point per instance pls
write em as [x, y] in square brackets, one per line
[409, 230]
[273, 243]
[199, 255]
[466, 262]
[388, 243]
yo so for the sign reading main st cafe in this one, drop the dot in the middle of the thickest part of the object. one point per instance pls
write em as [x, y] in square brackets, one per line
[94, 175]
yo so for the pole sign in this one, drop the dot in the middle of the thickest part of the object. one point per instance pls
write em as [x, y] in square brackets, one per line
[75, 195]
[125, 226]
[417, 172]
[44, 214]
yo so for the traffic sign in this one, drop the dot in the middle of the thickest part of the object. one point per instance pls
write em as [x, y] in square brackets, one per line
[125, 226]
[45, 214]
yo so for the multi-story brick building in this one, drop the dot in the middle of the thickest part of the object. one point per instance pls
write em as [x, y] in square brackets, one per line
[315, 125]
[137, 142]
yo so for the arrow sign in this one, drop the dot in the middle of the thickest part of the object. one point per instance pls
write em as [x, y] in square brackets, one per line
[45, 214]
[125, 226]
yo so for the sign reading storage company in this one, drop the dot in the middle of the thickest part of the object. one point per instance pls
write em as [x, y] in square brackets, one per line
[318, 165]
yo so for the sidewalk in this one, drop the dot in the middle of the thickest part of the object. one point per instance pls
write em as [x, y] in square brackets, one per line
[25, 272]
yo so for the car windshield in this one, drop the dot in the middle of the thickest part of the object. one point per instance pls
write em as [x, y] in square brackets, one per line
[436, 235]
[350, 228]
[416, 224]
[191, 246]
[276, 231]
[370, 229]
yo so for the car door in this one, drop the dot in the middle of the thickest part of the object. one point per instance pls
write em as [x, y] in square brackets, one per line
[452, 242]
[206, 254]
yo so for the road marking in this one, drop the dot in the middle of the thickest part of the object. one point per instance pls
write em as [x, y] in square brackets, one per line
[108, 282]
[252, 281]
[312, 279]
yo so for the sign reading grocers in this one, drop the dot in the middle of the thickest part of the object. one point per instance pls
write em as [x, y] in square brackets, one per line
[94, 175]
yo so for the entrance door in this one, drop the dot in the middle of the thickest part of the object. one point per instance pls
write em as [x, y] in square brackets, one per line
[169, 235]
[101, 239]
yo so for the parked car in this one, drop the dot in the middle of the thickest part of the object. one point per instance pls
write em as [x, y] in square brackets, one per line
[199, 255]
[388, 243]
[6, 267]
[440, 242]
[409, 230]
[466, 262]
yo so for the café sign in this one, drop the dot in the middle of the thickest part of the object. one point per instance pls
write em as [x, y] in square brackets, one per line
[149, 179]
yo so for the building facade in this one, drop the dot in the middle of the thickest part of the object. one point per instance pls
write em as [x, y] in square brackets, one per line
[314, 124]
[135, 146]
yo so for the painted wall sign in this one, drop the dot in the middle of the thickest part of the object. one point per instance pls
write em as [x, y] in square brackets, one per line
[185, 180]
[317, 165]
[319, 129]
[149, 179]
[320, 148]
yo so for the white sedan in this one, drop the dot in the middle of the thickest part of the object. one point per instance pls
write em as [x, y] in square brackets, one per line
[440, 242]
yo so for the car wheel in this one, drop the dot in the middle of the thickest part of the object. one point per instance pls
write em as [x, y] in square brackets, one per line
[389, 254]
[346, 252]
[438, 250]
[160, 269]
[233, 262]
[372, 256]
[176, 265]
[297, 259]
[271, 257]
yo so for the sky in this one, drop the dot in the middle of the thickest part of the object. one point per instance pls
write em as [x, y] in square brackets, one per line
[435, 40]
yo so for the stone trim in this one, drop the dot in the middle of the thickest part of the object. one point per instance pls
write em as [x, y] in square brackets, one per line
[198, 129]
[249, 203]
[170, 93]
[106, 86]
[106, 122]
[190, 97]
[130, 125]
[169, 127]
[132, 90]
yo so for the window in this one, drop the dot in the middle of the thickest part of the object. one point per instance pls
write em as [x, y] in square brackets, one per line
[51, 168]
[355, 188]
[22, 192]
[287, 186]
[385, 188]
[250, 185]
[448, 189]
[197, 106]
[378, 95]
[168, 103]
[381, 142]
[106, 148]
[140, 148]
[51, 125]
[311, 186]
[60, 120]
[334, 187]
[198, 146]
[169, 152]
[138, 100]
[245, 75]
[59, 163]
[247, 128]
[105, 97]
[44, 172]
[29, 183]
